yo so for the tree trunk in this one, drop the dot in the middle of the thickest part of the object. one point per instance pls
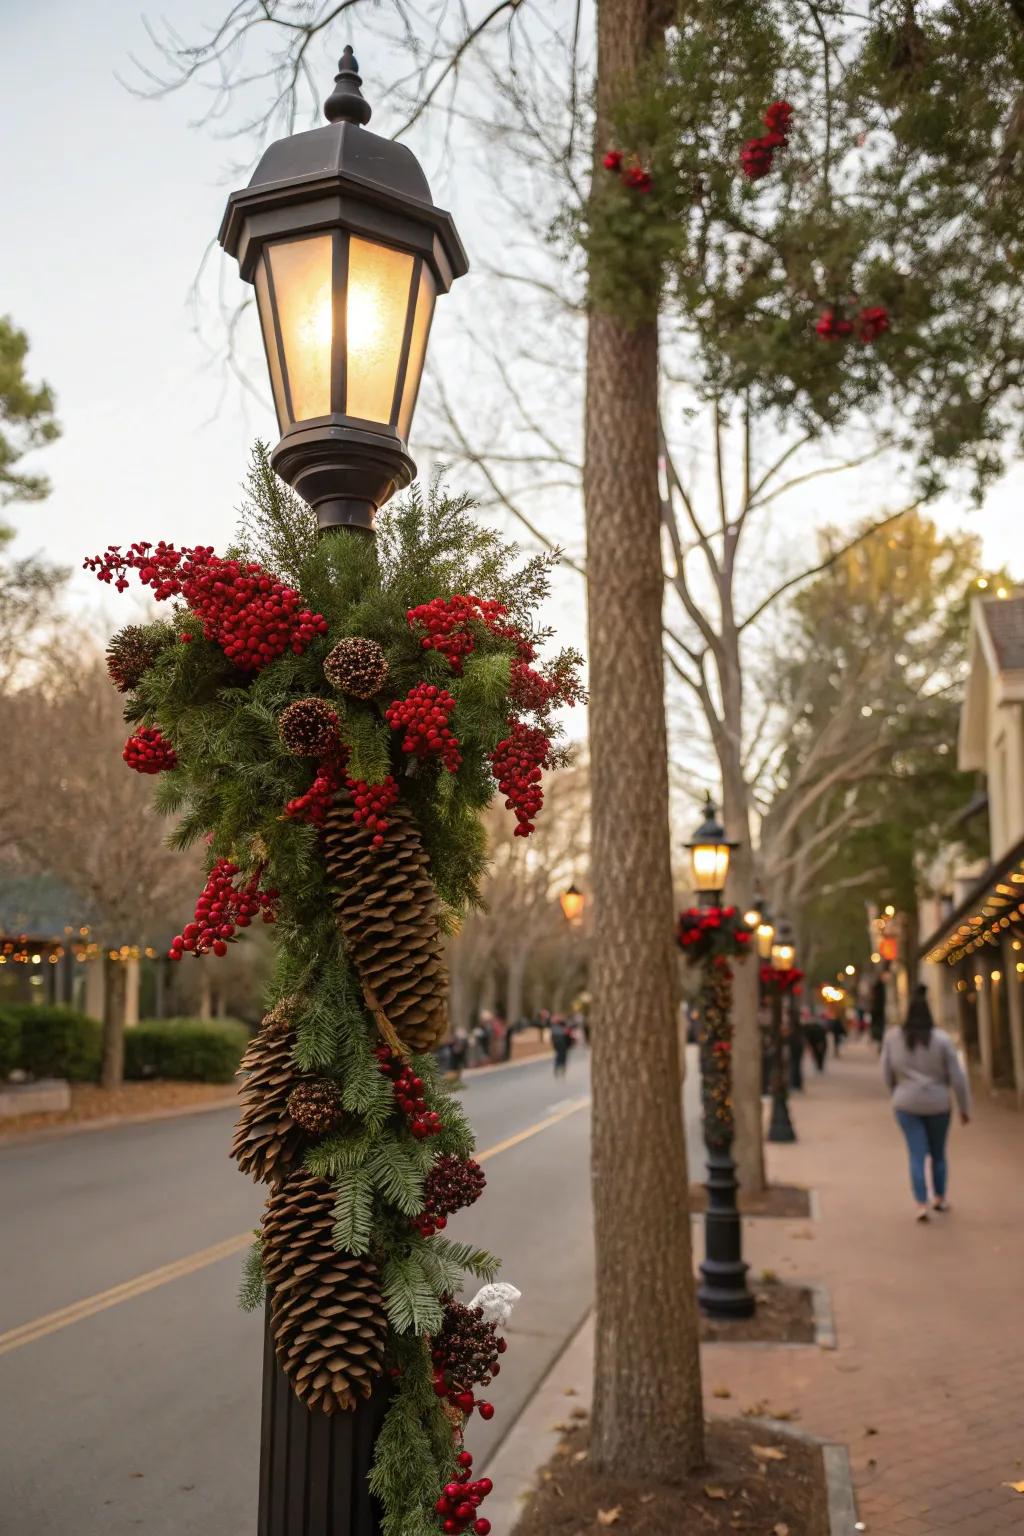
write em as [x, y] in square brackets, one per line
[647, 1415]
[115, 998]
[515, 972]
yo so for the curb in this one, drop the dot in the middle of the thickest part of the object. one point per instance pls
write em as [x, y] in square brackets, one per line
[842, 1501]
[824, 1321]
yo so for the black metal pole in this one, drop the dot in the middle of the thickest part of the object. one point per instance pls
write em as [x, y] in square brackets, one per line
[780, 1127]
[796, 1047]
[723, 1290]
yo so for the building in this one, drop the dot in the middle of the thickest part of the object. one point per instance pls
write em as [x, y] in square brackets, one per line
[976, 945]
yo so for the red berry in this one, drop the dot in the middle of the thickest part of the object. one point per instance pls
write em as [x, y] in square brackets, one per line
[486, 1410]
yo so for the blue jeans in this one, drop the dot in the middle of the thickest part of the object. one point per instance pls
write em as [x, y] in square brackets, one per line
[926, 1137]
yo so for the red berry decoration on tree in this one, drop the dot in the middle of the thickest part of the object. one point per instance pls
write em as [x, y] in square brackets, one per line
[447, 624]
[457, 1507]
[423, 715]
[313, 806]
[408, 1091]
[705, 931]
[372, 802]
[516, 763]
[613, 160]
[251, 614]
[872, 323]
[632, 175]
[465, 1355]
[778, 118]
[832, 325]
[222, 908]
[757, 157]
[452, 1184]
[148, 751]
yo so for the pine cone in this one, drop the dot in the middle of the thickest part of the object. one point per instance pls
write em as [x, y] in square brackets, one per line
[387, 911]
[357, 666]
[309, 727]
[281, 1018]
[131, 653]
[316, 1106]
[267, 1141]
[327, 1316]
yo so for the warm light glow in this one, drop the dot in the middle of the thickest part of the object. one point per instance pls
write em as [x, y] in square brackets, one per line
[572, 901]
[37, 959]
[997, 975]
[765, 934]
[978, 980]
[890, 911]
[851, 970]
[1001, 592]
[982, 582]
[379, 280]
[710, 865]
[752, 917]
[783, 956]
[875, 957]
[302, 272]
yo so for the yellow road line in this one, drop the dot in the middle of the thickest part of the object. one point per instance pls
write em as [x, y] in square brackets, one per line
[28, 1333]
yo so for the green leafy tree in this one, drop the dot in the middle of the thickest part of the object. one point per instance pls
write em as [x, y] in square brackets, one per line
[27, 418]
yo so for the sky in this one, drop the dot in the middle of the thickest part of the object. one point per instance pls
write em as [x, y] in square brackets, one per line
[110, 203]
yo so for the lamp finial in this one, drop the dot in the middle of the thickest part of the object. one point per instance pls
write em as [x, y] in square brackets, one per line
[346, 102]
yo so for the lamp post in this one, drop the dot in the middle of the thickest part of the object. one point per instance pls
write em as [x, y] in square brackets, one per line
[572, 903]
[723, 1290]
[783, 956]
[339, 236]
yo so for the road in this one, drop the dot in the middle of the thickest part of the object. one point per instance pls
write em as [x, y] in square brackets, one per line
[136, 1407]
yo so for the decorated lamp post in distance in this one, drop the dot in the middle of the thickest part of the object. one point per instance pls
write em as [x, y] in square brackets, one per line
[712, 936]
[780, 978]
[572, 902]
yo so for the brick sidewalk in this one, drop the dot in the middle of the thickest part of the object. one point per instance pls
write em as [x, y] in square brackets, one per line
[926, 1387]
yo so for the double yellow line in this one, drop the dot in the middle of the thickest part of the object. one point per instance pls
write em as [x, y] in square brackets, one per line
[28, 1333]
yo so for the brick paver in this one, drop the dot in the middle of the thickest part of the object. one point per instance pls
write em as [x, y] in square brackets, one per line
[926, 1387]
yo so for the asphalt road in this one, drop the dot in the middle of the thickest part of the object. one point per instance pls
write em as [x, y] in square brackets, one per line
[138, 1409]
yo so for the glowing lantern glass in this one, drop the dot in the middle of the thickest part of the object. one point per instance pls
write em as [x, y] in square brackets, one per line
[573, 901]
[710, 850]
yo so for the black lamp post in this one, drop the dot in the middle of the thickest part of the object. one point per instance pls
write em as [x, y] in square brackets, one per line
[783, 956]
[723, 1290]
[339, 236]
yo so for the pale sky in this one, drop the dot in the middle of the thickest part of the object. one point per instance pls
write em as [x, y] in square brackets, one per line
[109, 203]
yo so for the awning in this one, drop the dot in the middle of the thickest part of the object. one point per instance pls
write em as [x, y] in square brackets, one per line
[993, 905]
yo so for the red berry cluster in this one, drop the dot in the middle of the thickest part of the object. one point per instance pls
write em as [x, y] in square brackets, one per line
[408, 1090]
[718, 931]
[635, 176]
[312, 807]
[516, 763]
[869, 323]
[448, 624]
[248, 612]
[783, 981]
[461, 1499]
[149, 751]
[758, 155]
[465, 1354]
[451, 1185]
[223, 907]
[423, 715]
[371, 802]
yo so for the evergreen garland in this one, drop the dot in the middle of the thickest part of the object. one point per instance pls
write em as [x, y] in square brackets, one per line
[712, 937]
[216, 687]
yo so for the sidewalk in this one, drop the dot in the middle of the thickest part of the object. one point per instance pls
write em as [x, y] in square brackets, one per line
[926, 1387]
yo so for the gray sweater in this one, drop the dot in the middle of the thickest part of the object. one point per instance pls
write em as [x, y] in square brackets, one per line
[920, 1080]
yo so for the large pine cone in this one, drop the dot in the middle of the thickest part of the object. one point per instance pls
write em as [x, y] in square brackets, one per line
[327, 1316]
[387, 911]
[267, 1141]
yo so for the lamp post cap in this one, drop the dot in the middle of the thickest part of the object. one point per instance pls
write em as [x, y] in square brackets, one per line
[346, 102]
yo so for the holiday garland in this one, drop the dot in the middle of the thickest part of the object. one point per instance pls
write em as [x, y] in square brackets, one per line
[773, 979]
[711, 937]
[331, 718]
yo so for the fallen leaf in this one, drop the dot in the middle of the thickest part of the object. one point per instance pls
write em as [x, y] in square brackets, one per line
[561, 1427]
[805, 1233]
[609, 1516]
[579, 1456]
[580, 1413]
[571, 1392]
[556, 1489]
[1017, 1487]
[785, 1414]
[721, 1392]
[768, 1453]
[712, 1492]
[871, 1430]
[780, 1529]
[645, 1498]
[755, 1410]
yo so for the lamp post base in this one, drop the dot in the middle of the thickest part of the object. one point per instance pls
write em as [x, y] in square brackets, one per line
[315, 1468]
[780, 1127]
[723, 1290]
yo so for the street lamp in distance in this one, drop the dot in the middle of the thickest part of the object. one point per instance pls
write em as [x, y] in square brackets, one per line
[572, 902]
[709, 851]
[783, 958]
[754, 913]
[339, 235]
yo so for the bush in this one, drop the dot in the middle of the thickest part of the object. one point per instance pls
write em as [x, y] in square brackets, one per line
[10, 1042]
[57, 1041]
[191, 1050]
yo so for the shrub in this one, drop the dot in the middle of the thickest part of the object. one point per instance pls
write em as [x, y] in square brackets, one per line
[10, 1042]
[191, 1050]
[57, 1042]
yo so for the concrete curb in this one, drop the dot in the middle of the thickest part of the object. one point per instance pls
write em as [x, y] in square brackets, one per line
[842, 1501]
[824, 1321]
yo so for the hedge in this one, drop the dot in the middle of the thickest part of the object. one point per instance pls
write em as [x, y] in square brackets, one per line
[10, 1042]
[55, 1041]
[191, 1050]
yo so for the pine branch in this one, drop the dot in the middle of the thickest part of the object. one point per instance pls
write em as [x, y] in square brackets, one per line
[252, 1290]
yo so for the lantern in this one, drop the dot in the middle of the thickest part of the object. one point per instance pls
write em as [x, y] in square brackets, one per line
[573, 901]
[347, 253]
[709, 850]
[783, 950]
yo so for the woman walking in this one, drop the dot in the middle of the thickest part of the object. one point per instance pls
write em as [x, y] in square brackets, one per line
[921, 1067]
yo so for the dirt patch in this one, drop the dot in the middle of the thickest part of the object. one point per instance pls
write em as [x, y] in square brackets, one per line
[754, 1480]
[785, 1315]
[777, 1200]
[89, 1102]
